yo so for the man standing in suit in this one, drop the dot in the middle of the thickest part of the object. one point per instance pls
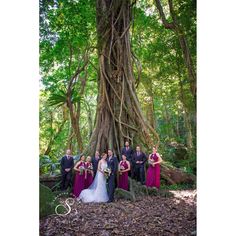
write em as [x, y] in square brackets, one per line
[139, 159]
[112, 163]
[95, 161]
[128, 152]
[67, 164]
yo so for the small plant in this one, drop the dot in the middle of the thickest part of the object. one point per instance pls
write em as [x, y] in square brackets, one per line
[49, 165]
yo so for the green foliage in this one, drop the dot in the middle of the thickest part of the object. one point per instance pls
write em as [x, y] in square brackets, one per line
[177, 186]
[49, 165]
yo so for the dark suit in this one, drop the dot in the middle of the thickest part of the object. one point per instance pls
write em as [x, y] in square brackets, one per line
[128, 153]
[139, 173]
[66, 176]
[113, 165]
[95, 165]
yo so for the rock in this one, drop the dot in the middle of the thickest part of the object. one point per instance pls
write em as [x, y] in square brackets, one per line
[50, 181]
[48, 201]
[137, 188]
[123, 194]
[153, 191]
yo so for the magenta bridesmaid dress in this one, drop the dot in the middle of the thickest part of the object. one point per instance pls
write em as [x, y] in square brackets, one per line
[88, 181]
[153, 173]
[123, 178]
[79, 181]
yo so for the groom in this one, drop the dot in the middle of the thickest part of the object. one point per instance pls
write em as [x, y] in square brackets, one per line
[112, 163]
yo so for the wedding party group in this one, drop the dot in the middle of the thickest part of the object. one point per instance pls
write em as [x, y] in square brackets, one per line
[97, 177]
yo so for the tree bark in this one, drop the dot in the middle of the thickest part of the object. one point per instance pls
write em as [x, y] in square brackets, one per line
[75, 114]
[90, 119]
[118, 117]
[176, 176]
[187, 123]
[150, 108]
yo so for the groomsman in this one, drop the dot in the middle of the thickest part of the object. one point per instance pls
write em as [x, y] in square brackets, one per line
[95, 161]
[128, 152]
[112, 163]
[139, 159]
[67, 164]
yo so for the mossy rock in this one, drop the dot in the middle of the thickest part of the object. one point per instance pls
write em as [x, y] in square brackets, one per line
[123, 194]
[165, 193]
[161, 192]
[137, 188]
[143, 189]
[48, 201]
[152, 191]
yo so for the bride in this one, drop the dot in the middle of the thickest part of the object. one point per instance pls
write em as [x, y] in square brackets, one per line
[97, 191]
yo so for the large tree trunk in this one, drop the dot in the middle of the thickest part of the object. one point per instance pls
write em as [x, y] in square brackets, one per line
[175, 176]
[118, 116]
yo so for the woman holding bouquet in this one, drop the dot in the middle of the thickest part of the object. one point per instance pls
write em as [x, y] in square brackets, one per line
[124, 168]
[79, 176]
[88, 172]
[153, 172]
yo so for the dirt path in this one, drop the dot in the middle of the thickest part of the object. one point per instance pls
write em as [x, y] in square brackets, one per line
[147, 216]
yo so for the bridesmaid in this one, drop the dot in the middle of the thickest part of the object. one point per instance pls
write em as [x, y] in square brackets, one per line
[88, 172]
[79, 176]
[153, 172]
[124, 168]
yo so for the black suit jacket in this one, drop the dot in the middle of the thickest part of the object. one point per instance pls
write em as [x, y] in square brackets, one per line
[65, 163]
[95, 163]
[112, 164]
[128, 153]
[142, 157]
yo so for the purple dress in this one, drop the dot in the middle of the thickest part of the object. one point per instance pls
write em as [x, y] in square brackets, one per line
[79, 181]
[123, 178]
[88, 181]
[153, 173]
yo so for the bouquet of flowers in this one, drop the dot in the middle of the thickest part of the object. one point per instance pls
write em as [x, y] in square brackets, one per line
[150, 161]
[121, 168]
[107, 172]
[90, 167]
[81, 170]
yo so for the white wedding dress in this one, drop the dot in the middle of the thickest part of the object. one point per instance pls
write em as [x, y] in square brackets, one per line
[97, 191]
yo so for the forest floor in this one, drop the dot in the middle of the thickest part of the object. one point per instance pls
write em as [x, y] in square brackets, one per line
[148, 215]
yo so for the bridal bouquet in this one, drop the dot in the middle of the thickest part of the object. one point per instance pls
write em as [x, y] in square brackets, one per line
[81, 170]
[107, 172]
